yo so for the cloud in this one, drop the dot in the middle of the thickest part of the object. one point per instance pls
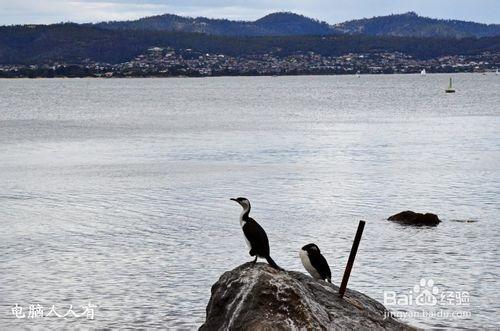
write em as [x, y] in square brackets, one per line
[50, 11]
[332, 11]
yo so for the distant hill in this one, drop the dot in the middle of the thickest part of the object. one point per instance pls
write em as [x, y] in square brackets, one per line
[277, 24]
[279, 33]
[290, 24]
[412, 25]
[74, 43]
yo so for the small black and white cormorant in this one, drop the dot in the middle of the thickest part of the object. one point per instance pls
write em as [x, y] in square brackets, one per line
[315, 263]
[255, 236]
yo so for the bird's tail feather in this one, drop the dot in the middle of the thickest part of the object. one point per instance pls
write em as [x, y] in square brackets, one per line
[272, 263]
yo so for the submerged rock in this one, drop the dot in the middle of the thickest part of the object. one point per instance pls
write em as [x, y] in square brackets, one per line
[465, 221]
[258, 297]
[410, 217]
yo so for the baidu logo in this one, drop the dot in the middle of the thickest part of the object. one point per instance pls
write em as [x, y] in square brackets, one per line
[425, 293]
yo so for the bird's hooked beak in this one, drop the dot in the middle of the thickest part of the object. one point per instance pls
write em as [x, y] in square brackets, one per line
[234, 199]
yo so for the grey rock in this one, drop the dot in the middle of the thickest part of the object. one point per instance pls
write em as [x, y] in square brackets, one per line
[258, 297]
[412, 218]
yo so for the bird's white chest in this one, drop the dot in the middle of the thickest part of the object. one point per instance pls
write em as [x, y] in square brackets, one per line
[306, 262]
[242, 224]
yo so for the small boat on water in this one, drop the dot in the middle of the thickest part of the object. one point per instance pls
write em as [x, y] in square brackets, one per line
[423, 72]
[450, 88]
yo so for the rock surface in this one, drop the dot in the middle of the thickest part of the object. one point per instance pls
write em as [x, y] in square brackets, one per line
[258, 297]
[410, 217]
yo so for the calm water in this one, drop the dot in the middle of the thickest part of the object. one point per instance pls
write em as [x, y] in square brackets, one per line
[117, 191]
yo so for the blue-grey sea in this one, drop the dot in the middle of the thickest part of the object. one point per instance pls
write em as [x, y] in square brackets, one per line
[116, 192]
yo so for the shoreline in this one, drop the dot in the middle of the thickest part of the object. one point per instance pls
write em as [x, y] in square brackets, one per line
[489, 73]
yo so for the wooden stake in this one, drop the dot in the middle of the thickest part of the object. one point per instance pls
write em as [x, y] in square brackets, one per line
[352, 255]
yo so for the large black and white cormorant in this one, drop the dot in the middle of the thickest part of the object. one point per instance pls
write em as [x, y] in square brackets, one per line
[315, 263]
[255, 236]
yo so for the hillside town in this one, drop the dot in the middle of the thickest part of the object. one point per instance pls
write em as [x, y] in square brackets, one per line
[168, 62]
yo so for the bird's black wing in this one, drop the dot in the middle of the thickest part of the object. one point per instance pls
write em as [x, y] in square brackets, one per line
[319, 263]
[257, 238]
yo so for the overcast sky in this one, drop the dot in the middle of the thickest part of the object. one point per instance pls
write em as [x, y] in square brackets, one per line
[332, 11]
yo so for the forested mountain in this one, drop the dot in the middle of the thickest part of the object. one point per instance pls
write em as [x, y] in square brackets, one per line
[73, 43]
[288, 24]
[277, 24]
[412, 25]
[279, 33]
